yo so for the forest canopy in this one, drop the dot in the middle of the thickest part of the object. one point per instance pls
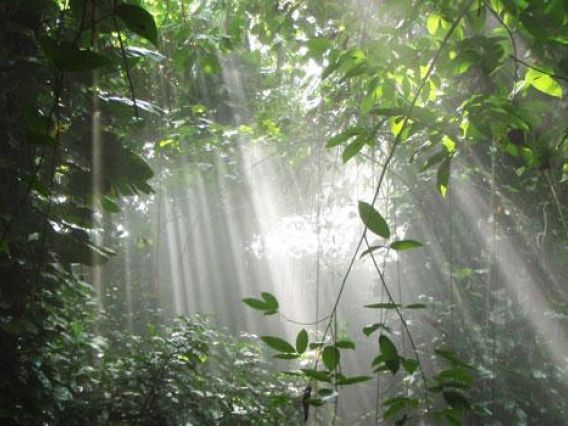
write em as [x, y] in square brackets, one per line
[275, 212]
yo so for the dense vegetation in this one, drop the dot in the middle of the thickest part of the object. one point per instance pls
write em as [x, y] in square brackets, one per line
[113, 112]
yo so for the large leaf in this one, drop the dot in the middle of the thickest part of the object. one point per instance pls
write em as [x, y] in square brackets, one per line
[543, 82]
[139, 21]
[373, 220]
[69, 58]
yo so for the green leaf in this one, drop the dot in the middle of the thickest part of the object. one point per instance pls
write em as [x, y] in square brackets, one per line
[543, 82]
[256, 303]
[373, 220]
[271, 301]
[405, 245]
[352, 149]
[452, 358]
[433, 23]
[322, 376]
[40, 139]
[371, 250]
[278, 344]
[383, 305]
[457, 400]
[410, 365]
[68, 57]
[344, 381]
[345, 344]
[139, 21]
[457, 376]
[325, 392]
[286, 356]
[110, 205]
[443, 177]
[389, 353]
[4, 247]
[415, 306]
[371, 328]
[330, 357]
[302, 341]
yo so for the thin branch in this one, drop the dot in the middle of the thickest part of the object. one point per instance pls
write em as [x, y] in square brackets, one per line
[559, 77]
[389, 158]
[125, 60]
[401, 318]
[511, 37]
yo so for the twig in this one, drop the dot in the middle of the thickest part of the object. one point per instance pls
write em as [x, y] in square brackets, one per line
[125, 60]
[511, 37]
[559, 77]
[389, 159]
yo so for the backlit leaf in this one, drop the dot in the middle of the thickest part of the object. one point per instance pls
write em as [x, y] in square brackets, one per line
[543, 82]
[405, 245]
[443, 177]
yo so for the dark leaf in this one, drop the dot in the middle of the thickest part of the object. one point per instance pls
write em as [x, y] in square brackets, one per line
[410, 365]
[256, 303]
[457, 400]
[278, 344]
[330, 357]
[344, 381]
[373, 220]
[139, 21]
[345, 344]
[415, 306]
[322, 376]
[270, 300]
[302, 341]
[390, 354]
[371, 250]
[383, 305]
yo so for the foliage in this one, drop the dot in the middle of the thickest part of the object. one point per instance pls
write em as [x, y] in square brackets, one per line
[187, 373]
[430, 90]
